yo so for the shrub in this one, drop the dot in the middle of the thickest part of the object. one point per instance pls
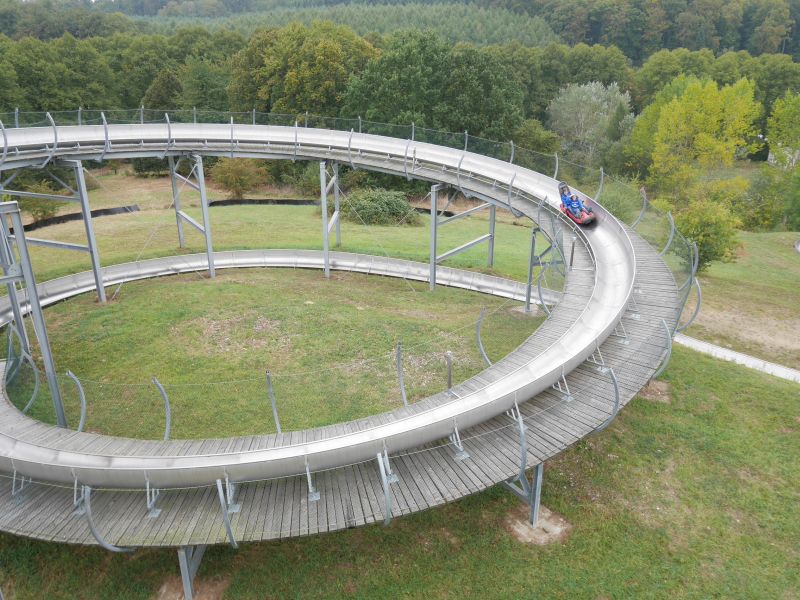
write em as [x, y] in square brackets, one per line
[714, 227]
[238, 175]
[378, 206]
[38, 208]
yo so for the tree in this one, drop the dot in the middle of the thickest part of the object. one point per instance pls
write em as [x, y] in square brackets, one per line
[587, 117]
[238, 175]
[437, 86]
[204, 85]
[532, 135]
[784, 130]
[164, 93]
[702, 130]
[297, 68]
[713, 227]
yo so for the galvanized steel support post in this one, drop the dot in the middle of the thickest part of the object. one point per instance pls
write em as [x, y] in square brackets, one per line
[492, 222]
[400, 379]
[199, 185]
[535, 498]
[86, 213]
[201, 182]
[189, 559]
[225, 515]
[176, 200]
[24, 270]
[323, 201]
[531, 260]
[434, 223]
[272, 401]
[336, 192]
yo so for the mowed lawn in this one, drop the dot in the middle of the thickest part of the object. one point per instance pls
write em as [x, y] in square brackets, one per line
[753, 305]
[328, 344]
[692, 497]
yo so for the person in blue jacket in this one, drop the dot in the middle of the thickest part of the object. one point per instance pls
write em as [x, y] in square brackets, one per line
[573, 204]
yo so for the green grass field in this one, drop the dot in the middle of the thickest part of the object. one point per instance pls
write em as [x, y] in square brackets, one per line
[328, 344]
[694, 498]
[751, 305]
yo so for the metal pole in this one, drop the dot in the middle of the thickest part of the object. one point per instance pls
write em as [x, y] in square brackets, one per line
[86, 213]
[336, 204]
[201, 183]
[80, 115]
[194, 120]
[479, 340]
[167, 408]
[466, 139]
[492, 222]
[176, 200]
[531, 258]
[141, 114]
[11, 287]
[16, 117]
[254, 116]
[323, 200]
[413, 130]
[82, 397]
[272, 401]
[572, 253]
[434, 224]
[536, 493]
[38, 318]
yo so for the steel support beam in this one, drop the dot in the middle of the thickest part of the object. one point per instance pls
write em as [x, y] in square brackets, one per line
[24, 270]
[79, 195]
[199, 185]
[332, 222]
[189, 559]
[436, 222]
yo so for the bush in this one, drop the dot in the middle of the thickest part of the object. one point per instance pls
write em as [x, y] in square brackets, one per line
[239, 175]
[150, 167]
[378, 206]
[714, 227]
[38, 208]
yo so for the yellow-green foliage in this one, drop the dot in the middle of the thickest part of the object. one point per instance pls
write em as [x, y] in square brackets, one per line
[238, 175]
[784, 130]
[700, 130]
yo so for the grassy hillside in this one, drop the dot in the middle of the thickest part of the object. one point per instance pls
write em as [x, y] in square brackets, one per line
[751, 305]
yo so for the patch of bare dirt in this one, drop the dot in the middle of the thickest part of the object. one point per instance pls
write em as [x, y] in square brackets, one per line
[204, 589]
[774, 335]
[551, 528]
[236, 335]
[657, 391]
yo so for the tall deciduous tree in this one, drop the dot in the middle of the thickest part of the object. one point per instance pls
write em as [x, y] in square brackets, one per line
[420, 78]
[164, 93]
[702, 129]
[784, 130]
[589, 118]
[297, 68]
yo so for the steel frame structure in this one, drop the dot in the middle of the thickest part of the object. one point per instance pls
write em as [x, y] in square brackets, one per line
[501, 184]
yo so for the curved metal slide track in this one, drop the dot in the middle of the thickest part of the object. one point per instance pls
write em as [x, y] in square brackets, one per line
[605, 338]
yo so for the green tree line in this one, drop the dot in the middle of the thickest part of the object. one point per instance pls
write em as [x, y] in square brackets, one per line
[683, 123]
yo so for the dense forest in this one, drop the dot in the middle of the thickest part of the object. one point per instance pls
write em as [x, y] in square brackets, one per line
[696, 126]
